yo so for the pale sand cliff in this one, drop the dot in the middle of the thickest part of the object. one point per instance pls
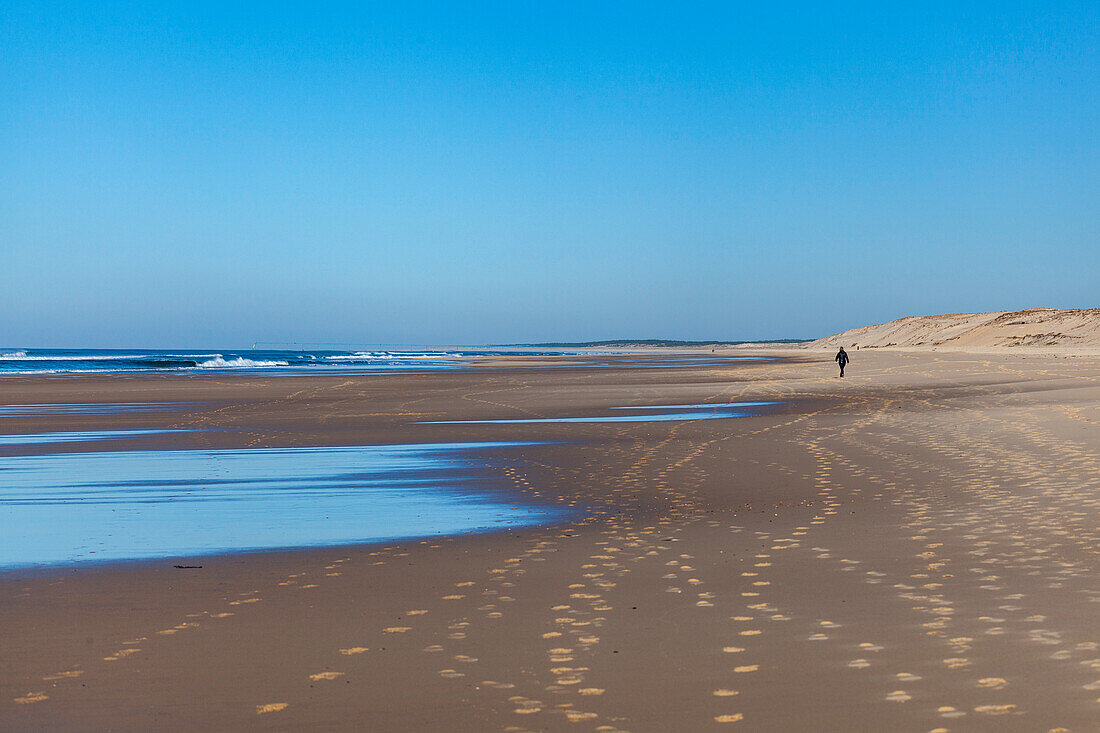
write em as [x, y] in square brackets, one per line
[1048, 328]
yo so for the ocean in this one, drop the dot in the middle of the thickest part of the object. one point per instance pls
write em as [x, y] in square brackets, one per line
[18, 362]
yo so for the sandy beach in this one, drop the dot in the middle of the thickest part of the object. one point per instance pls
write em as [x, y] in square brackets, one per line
[911, 548]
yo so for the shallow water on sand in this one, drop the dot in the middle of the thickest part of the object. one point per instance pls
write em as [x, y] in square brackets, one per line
[79, 436]
[88, 408]
[75, 508]
[645, 413]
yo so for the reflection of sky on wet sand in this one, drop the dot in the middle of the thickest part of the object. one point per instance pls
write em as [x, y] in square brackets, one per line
[89, 408]
[31, 439]
[652, 413]
[79, 507]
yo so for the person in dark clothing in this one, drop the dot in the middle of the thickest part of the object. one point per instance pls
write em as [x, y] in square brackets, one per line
[842, 359]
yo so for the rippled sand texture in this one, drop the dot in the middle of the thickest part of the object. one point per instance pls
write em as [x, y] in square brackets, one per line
[912, 548]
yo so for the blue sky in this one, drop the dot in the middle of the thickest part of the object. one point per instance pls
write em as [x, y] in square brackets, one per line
[204, 175]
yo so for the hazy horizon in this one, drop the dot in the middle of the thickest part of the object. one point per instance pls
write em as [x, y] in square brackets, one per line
[440, 174]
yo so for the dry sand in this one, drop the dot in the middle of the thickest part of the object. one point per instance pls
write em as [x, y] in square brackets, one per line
[911, 548]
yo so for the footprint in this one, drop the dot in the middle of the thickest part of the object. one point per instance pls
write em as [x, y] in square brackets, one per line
[525, 706]
[122, 653]
[993, 683]
[31, 697]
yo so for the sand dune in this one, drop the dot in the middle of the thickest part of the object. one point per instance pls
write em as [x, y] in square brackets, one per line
[1075, 329]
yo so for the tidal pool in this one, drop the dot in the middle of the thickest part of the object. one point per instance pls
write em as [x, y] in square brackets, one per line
[75, 508]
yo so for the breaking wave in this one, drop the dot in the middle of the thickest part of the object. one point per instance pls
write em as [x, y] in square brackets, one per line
[370, 356]
[219, 363]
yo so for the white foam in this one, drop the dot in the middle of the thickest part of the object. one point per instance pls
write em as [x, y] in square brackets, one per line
[369, 356]
[240, 362]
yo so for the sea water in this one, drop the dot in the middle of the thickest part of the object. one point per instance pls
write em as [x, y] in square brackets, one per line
[22, 362]
[19, 362]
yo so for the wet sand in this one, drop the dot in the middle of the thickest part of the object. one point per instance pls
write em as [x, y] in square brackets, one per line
[911, 548]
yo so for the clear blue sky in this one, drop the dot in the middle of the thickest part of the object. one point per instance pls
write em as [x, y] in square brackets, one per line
[213, 174]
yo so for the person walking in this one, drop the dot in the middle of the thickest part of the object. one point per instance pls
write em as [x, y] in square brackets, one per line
[842, 359]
